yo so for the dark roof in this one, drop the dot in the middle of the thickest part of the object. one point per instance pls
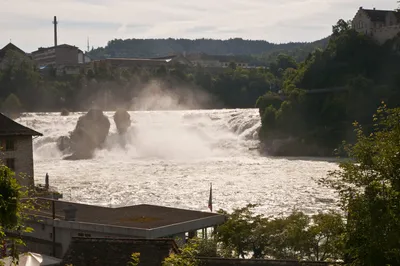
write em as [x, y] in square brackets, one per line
[41, 49]
[377, 15]
[109, 251]
[220, 58]
[139, 59]
[9, 127]
[138, 216]
[9, 47]
[165, 57]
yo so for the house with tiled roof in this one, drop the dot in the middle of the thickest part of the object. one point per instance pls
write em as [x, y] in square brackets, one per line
[382, 25]
[16, 150]
[5, 50]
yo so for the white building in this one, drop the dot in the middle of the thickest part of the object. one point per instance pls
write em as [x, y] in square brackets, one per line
[16, 150]
[382, 25]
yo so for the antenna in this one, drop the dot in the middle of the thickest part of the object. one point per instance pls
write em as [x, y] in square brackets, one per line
[55, 30]
[88, 44]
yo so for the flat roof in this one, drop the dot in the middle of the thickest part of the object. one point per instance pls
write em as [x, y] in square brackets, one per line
[141, 216]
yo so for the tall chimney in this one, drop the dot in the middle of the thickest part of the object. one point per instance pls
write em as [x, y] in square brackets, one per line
[55, 30]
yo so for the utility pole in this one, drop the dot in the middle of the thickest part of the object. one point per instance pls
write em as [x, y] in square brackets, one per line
[55, 30]
[54, 228]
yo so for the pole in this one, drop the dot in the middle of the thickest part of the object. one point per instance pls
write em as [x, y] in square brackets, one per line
[54, 228]
[55, 31]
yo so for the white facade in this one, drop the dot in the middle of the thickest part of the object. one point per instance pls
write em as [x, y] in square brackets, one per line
[379, 24]
[17, 154]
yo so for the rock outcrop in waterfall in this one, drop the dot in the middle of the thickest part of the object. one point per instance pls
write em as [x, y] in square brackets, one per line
[89, 134]
[122, 120]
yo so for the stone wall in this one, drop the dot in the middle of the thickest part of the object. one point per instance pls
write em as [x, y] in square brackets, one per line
[381, 35]
[66, 55]
[23, 157]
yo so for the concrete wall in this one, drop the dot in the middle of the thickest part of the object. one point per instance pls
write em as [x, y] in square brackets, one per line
[64, 236]
[81, 58]
[23, 158]
[45, 56]
[66, 55]
[391, 20]
[381, 35]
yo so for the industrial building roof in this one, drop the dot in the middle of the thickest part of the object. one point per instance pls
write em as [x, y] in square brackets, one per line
[138, 216]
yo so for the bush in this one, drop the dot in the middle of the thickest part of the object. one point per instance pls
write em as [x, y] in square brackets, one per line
[12, 106]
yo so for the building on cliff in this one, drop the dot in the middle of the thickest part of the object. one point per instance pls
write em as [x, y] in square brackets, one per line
[16, 150]
[65, 59]
[7, 48]
[381, 25]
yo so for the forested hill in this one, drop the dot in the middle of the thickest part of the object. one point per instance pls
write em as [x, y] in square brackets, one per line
[147, 48]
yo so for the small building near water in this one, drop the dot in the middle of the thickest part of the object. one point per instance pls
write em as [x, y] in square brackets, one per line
[16, 149]
[54, 230]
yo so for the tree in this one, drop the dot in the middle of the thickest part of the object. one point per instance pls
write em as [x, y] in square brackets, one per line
[340, 27]
[11, 210]
[12, 105]
[296, 237]
[369, 189]
[186, 256]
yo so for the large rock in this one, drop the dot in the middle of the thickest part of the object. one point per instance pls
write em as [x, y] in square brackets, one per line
[122, 120]
[89, 134]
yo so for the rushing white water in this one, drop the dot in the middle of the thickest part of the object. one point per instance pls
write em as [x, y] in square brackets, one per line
[172, 159]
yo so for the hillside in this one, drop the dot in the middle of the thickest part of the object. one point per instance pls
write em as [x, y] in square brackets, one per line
[147, 48]
[361, 74]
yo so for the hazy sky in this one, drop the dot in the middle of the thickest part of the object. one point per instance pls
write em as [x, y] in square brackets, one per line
[28, 23]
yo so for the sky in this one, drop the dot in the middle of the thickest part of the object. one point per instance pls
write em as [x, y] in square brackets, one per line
[28, 23]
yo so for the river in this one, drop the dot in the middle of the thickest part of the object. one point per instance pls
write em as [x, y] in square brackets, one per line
[173, 157]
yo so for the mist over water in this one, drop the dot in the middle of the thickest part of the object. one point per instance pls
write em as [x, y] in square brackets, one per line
[169, 157]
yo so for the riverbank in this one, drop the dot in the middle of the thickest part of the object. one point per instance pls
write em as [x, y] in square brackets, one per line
[292, 147]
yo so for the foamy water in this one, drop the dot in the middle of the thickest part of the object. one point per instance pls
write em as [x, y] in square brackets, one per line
[171, 159]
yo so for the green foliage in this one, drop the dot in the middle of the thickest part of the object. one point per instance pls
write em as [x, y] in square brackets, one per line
[11, 104]
[10, 206]
[13, 203]
[186, 256]
[135, 259]
[149, 48]
[369, 190]
[298, 236]
[322, 96]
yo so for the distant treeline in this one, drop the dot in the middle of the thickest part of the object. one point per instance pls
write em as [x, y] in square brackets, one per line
[258, 51]
[22, 87]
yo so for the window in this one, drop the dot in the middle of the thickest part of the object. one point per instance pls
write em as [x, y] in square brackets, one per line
[10, 145]
[10, 163]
